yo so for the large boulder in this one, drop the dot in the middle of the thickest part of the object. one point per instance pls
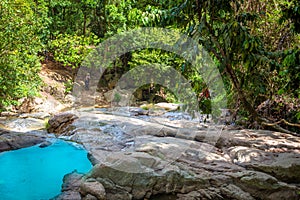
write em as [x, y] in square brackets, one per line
[134, 185]
[284, 166]
[15, 140]
[263, 186]
[92, 188]
[59, 123]
[70, 187]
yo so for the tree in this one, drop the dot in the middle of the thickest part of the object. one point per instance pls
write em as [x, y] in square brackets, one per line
[19, 45]
[229, 30]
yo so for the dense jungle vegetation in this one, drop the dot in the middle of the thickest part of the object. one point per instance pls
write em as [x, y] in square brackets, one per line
[254, 43]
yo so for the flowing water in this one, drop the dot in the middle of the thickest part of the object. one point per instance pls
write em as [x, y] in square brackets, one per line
[36, 173]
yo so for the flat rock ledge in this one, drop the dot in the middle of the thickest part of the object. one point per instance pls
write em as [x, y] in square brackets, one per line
[15, 140]
[152, 158]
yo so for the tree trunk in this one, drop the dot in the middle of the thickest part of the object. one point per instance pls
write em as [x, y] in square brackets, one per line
[84, 25]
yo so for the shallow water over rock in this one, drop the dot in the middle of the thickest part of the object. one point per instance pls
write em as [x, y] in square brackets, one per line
[22, 124]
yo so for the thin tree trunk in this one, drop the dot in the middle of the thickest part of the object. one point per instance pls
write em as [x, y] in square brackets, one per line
[84, 25]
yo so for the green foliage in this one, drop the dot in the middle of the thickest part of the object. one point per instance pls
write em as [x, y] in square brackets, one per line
[291, 11]
[70, 50]
[68, 16]
[152, 56]
[69, 86]
[289, 73]
[19, 45]
[46, 122]
[255, 44]
[117, 97]
[116, 19]
[298, 116]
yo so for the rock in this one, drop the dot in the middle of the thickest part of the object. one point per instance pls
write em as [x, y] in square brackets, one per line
[45, 144]
[119, 97]
[231, 191]
[70, 187]
[285, 166]
[36, 115]
[15, 140]
[280, 107]
[70, 99]
[72, 181]
[149, 172]
[177, 116]
[26, 105]
[22, 124]
[152, 157]
[60, 122]
[153, 109]
[50, 104]
[8, 114]
[138, 111]
[108, 95]
[68, 195]
[142, 185]
[89, 197]
[168, 106]
[264, 186]
[38, 101]
[92, 190]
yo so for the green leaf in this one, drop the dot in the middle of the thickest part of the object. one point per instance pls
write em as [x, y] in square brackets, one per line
[281, 91]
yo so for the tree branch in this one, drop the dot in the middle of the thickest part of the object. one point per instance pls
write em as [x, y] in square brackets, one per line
[282, 121]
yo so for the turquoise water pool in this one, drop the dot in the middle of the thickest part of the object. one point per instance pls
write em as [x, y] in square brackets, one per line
[36, 173]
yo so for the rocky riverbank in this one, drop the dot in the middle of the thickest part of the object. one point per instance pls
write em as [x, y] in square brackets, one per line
[16, 140]
[170, 156]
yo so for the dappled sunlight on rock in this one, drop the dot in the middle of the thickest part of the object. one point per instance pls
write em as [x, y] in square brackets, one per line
[141, 155]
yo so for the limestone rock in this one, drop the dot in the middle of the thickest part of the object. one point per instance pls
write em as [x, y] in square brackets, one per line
[60, 122]
[45, 144]
[8, 114]
[152, 157]
[90, 189]
[89, 197]
[138, 111]
[22, 124]
[15, 140]
[285, 166]
[143, 185]
[36, 115]
[108, 95]
[264, 186]
[168, 106]
[68, 195]
[72, 181]
[26, 105]
[70, 187]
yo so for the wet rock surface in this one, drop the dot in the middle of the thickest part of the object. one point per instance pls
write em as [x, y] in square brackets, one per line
[158, 157]
[15, 124]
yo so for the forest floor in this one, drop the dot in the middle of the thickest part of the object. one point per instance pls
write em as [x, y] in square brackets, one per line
[55, 75]
[58, 83]
[53, 96]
